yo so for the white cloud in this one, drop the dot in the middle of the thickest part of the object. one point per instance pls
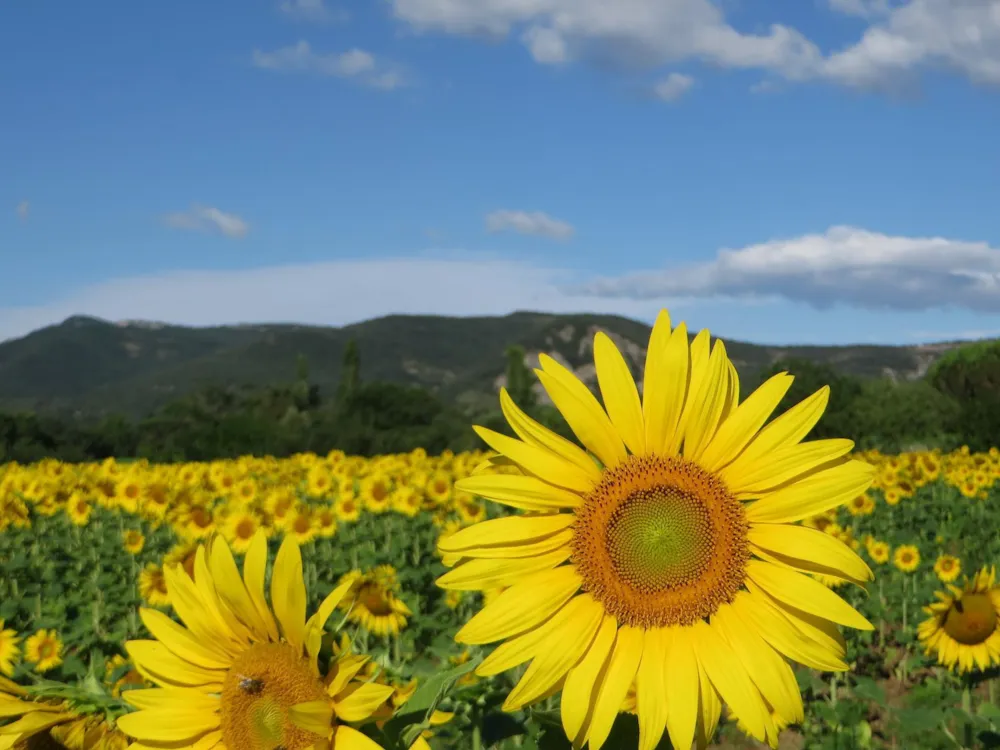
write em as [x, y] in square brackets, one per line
[845, 265]
[312, 10]
[861, 8]
[302, 294]
[673, 87]
[644, 32]
[23, 209]
[963, 35]
[529, 222]
[207, 219]
[356, 64]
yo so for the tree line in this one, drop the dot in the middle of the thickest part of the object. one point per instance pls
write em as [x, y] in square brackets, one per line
[956, 403]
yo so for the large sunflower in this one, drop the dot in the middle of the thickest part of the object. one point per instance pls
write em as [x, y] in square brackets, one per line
[639, 560]
[964, 624]
[244, 675]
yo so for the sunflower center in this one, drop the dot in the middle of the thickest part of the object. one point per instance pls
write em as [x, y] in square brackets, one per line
[660, 541]
[656, 539]
[374, 601]
[971, 619]
[262, 684]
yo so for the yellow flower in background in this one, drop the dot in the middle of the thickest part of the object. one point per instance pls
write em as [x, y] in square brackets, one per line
[906, 558]
[948, 568]
[372, 603]
[10, 652]
[134, 541]
[78, 508]
[153, 586]
[44, 649]
[650, 568]
[241, 672]
[347, 508]
[878, 551]
[962, 627]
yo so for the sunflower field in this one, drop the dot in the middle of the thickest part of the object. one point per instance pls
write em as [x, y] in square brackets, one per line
[331, 601]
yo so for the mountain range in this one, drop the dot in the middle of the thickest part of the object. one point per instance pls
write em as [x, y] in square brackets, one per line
[92, 366]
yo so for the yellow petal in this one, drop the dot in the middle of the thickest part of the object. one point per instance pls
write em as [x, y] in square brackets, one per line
[168, 725]
[254, 568]
[775, 628]
[312, 716]
[579, 696]
[509, 530]
[165, 699]
[728, 676]
[531, 431]
[522, 606]
[288, 592]
[526, 493]
[233, 591]
[182, 643]
[707, 399]
[169, 670]
[34, 722]
[805, 593]
[810, 550]
[193, 612]
[625, 658]
[745, 421]
[538, 461]
[790, 427]
[766, 668]
[560, 652]
[709, 709]
[747, 479]
[815, 494]
[223, 617]
[650, 690]
[664, 386]
[681, 678]
[523, 647]
[479, 575]
[621, 399]
[815, 628]
[584, 415]
[362, 701]
[347, 738]
[343, 672]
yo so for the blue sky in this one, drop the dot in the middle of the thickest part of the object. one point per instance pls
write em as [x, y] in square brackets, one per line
[797, 171]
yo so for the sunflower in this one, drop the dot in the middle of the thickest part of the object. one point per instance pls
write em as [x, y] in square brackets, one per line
[962, 626]
[244, 675]
[240, 529]
[46, 723]
[372, 603]
[347, 508]
[948, 568]
[44, 648]
[153, 586]
[906, 558]
[9, 650]
[78, 508]
[647, 565]
[134, 541]
[879, 552]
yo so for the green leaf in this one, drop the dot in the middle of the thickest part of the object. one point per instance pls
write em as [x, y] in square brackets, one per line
[424, 700]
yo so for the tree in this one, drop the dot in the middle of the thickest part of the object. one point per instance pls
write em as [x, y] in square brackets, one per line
[350, 373]
[519, 378]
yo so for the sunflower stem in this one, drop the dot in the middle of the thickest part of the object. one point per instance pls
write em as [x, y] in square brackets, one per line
[477, 737]
[967, 708]
[833, 690]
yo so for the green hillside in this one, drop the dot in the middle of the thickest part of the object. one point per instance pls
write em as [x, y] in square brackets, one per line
[94, 366]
